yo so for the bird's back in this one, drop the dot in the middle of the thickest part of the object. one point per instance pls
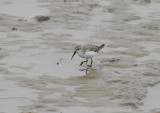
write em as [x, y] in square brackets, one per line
[92, 47]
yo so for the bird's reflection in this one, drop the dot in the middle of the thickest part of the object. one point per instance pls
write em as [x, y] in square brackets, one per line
[86, 69]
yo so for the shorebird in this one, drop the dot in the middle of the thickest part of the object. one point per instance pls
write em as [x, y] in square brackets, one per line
[87, 51]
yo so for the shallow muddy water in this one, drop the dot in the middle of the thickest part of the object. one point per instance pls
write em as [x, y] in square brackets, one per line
[36, 71]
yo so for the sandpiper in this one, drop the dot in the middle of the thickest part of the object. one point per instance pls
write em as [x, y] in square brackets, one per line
[87, 51]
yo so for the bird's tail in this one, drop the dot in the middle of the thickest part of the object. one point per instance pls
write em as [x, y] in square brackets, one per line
[101, 46]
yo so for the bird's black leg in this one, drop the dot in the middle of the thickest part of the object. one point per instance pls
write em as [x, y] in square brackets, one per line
[83, 62]
[91, 63]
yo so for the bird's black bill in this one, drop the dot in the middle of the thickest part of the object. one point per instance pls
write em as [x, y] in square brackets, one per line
[73, 55]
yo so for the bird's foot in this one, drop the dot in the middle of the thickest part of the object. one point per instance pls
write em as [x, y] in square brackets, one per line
[89, 65]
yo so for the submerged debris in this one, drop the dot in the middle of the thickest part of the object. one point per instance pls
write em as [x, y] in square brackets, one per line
[14, 29]
[42, 18]
[114, 60]
[143, 1]
[59, 62]
[22, 19]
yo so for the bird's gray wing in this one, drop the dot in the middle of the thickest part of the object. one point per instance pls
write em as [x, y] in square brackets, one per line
[94, 48]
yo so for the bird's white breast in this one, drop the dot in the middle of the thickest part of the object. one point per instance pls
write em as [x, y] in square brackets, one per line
[87, 54]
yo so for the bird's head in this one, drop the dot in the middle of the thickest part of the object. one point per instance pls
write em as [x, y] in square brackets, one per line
[77, 48]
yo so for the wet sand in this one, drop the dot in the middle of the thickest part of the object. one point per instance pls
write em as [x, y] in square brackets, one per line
[36, 46]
